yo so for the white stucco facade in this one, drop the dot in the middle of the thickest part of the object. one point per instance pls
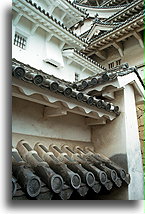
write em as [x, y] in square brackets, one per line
[50, 48]
[43, 47]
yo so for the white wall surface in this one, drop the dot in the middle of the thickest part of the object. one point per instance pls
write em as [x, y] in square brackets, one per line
[133, 53]
[121, 137]
[136, 187]
[110, 139]
[28, 120]
[40, 47]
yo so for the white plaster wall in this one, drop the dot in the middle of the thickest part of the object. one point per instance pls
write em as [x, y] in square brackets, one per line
[121, 137]
[70, 70]
[38, 49]
[28, 120]
[133, 146]
[109, 139]
[133, 53]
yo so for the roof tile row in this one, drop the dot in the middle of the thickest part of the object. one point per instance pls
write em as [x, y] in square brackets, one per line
[102, 6]
[118, 26]
[23, 72]
[49, 172]
[54, 19]
[135, 2]
[89, 59]
[104, 77]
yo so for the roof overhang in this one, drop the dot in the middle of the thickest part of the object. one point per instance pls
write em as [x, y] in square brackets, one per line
[118, 34]
[102, 12]
[70, 11]
[71, 54]
[134, 7]
[30, 92]
[109, 88]
[98, 27]
[49, 24]
[114, 2]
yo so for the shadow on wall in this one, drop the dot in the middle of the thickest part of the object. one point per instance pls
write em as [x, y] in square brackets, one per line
[120, 159]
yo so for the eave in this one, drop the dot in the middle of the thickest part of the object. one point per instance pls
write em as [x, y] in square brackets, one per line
[84, 61]
[60, 91]
[105, 26]
[92, 10]
[70, 11]
[112, 2]
[73, 8]
[129, 10]
[24, 90]
[118, 34]
[42, 19]
[117, 82]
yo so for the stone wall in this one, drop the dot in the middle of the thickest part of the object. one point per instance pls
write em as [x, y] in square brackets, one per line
[140, 116]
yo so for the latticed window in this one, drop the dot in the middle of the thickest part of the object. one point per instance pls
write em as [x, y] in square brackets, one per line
[114, 64]
[118, 62]
[76, 77]
[20, 41]
[111, 65]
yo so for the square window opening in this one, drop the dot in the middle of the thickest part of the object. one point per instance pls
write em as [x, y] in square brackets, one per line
[20, 41]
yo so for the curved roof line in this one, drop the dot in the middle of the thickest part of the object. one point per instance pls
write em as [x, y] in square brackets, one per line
[102, 7]
[106, 33]
[121, 11]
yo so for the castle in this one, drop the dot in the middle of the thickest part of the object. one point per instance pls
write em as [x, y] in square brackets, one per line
[77, 87]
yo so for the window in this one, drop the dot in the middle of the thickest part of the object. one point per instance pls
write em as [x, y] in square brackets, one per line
[114, 64]
[111, 65]
[118, 62]
[20, 41]
[76, 77]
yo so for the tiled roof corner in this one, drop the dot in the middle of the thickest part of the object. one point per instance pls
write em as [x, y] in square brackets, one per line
[89, 59]
[54, 19]
[120, 25]
[47, 82]
[107, 76]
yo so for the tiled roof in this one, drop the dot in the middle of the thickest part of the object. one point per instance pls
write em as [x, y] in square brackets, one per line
[110, 75]
[87, 58]
[47, 82]
[106, 23]
[74, 5]
[53, 19]
[102, 6]
[117, 27]
[52, 172]
[103, 23]
[131, 5]
[71, 3]
[114, 2]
